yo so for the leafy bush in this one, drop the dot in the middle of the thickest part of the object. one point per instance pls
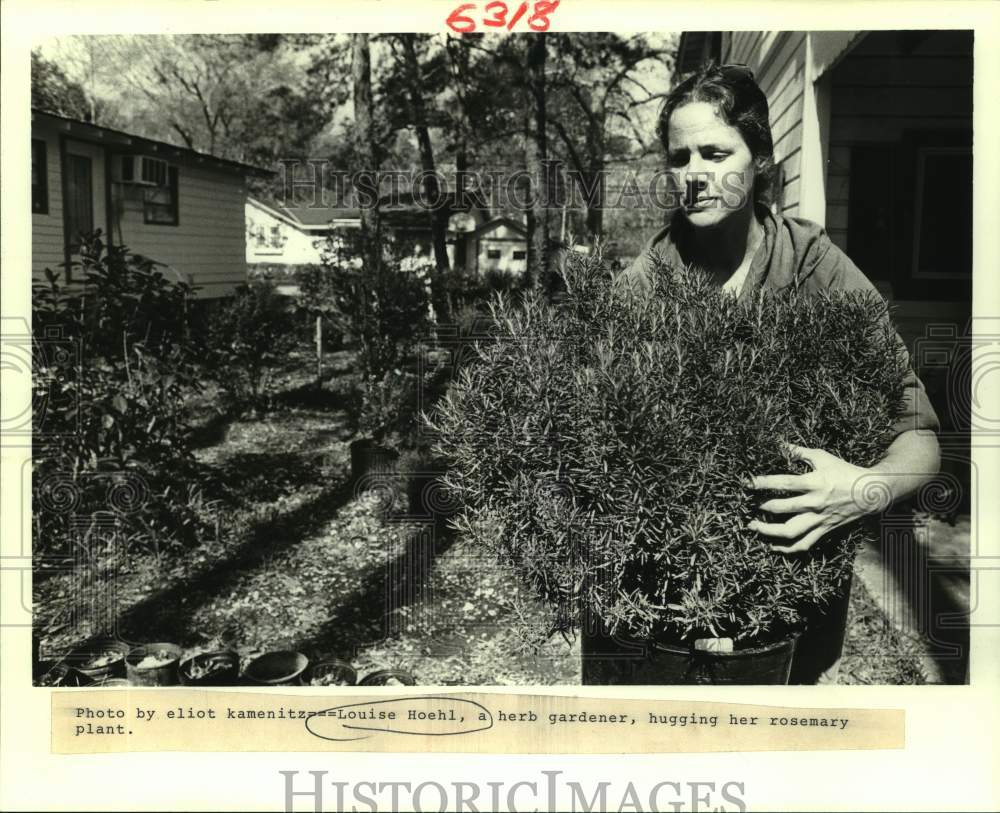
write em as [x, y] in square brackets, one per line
[602, 448]
[248, 335]
[113, 362]
[386, 312]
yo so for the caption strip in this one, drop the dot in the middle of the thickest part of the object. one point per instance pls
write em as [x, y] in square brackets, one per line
[88, 722]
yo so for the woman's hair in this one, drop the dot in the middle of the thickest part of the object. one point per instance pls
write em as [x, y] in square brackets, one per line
[738, 100]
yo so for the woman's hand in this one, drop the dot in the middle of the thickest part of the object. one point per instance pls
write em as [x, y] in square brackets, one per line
[833, 494]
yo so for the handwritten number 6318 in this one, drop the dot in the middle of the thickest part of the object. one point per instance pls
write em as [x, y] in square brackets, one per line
[497, 16]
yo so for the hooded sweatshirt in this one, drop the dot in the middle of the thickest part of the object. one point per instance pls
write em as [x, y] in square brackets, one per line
[793, 253]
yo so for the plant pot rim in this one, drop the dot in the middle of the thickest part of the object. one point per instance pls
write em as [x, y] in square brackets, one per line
[75, 659]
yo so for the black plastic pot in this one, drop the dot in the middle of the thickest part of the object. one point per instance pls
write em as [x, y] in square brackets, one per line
[60, 676]
[369, 458]
[330, 672]
[428, 496]
[383, 676]
[613, 660]
[281, 668]
[87, 661]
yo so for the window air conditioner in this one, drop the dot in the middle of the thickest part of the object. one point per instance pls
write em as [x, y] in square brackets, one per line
[141, 170]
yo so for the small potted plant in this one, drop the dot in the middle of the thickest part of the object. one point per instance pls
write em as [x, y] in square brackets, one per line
[104, 658]
[374, 454]
[329, 672]
[601, 450]
[219, 668]
[153, 664]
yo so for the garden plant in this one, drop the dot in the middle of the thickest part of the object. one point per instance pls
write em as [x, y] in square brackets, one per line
[113, 361]
[601, 448]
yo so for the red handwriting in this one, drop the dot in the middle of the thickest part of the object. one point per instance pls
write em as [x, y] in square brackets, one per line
[496, 13]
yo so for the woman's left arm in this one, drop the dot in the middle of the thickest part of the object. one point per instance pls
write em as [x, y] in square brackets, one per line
[836, 492]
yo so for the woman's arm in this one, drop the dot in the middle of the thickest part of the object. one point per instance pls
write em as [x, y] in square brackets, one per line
[910, 462]
[836, 492]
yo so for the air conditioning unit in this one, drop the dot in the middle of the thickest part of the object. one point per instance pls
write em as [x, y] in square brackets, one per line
[141, 170]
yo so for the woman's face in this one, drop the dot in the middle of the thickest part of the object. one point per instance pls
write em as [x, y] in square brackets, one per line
[711, 162]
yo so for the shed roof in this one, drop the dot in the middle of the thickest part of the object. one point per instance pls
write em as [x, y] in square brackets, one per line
[128, 142]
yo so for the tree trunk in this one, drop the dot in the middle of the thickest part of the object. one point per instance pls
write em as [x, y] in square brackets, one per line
[595, 173]
[367, 149]
[371, 226]
[536, 153]
[438, 214]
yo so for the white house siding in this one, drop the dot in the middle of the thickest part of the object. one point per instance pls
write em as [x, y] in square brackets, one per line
[284, 243]
[47, 229]
[208, 246]
[778, 61]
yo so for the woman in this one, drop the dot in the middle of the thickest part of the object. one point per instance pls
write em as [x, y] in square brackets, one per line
[714, 128]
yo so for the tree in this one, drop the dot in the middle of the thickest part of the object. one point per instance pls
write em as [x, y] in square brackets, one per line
[438, 211]
[53, 92]
[536, 155]
[367, 149]
[594, 86]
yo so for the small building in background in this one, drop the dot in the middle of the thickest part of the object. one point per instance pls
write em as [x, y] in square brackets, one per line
[277, 235]
[278, 238]
[497, 245]
[179, 207]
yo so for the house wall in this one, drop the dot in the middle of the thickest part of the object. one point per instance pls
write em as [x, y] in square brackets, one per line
[282, 244]
[208, 246]
[778, 60]
[47, 229]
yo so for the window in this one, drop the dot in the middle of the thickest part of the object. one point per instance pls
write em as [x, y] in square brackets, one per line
[39, 179]
[909, 218]
[493, 254]
[942, 246]
[160, 202]
[520, 255]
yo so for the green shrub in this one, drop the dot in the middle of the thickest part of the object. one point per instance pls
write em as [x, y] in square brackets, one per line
[602, 448]
[113, 363]
[248, 335]
[386, 312]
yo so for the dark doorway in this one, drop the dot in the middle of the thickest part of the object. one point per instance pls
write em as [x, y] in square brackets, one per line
[79, 199]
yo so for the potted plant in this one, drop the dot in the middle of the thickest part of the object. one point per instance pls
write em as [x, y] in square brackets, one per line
[385, 312]
[602, 449]
[374, 453]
